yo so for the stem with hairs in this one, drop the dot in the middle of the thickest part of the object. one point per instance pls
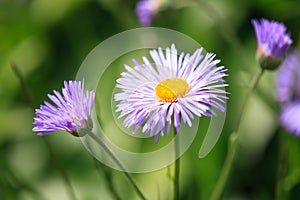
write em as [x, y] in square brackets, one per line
[234, 141]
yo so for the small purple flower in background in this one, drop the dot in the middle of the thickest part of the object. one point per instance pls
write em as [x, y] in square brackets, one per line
[273, 42]
[288, 79]
[173, 88]
[71, 112]
[146, 9]
[288, 92]
[290, 117]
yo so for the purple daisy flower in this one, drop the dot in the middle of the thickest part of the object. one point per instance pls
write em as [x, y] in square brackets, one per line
[288, 92]
[290, 117]
[273, 42]
[288, 79]
[173, 88]
[71, 112]
[145, 10]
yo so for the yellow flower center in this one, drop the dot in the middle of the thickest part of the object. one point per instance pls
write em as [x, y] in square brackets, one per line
[172, 88]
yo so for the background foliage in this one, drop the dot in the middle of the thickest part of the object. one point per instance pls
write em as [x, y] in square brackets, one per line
[48, 41]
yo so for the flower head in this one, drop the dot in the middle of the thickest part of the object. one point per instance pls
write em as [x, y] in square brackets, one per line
[288, 79]
[146, 9]
[173, 88]
[290, 117]
[71, 112]
[288, 92]
[273, 42]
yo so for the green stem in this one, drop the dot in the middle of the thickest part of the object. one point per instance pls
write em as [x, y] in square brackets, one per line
[118, 162]
[108, 178]
[291, 181]
[281, 192]
[176, 166]
[23, 85]
[233, 142]
[29, 97]
[253, 85]
[219, 188]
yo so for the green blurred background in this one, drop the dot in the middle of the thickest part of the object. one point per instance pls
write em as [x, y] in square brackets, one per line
[48, 40]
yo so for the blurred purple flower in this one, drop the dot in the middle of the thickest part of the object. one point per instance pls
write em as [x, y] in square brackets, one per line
[272, 39]
[173, 88]
[273, 42]
[290, 117]
[70, 113]
[288, 92]
[145, 10]
[288, 79]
